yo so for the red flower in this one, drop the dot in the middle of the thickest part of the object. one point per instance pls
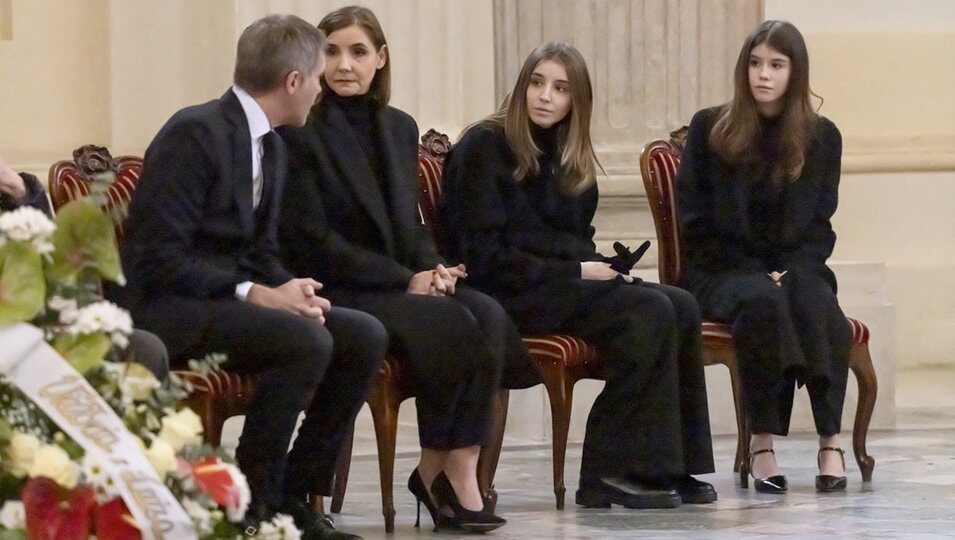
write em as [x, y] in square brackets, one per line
[114, 522]
[54, 512]
[224, 484]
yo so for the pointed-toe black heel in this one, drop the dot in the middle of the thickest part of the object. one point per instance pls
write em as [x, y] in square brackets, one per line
[827, 483]
[772, 484]
[468, 520]
[417, 488]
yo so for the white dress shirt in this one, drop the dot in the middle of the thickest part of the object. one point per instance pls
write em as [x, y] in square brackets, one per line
[258, 127]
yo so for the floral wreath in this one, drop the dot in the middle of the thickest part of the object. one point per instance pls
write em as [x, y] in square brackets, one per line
[52, 485]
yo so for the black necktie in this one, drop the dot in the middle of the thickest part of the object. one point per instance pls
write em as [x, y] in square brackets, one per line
[268, 163]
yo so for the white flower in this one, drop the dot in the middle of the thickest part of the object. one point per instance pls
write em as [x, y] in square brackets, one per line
[137, 381]
[53, 462]
[286, 526]
[23, 449]
[94, 474]
[236, 508]
[27, 224]
[200, 516]
[181, 428]
[103, 317]
[12, 515]
[66, 308]
[282, 527]
[162, 457]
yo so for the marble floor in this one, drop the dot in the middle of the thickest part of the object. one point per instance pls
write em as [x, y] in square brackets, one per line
[912, 494]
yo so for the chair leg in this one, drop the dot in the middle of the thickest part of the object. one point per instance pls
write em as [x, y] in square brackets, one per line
[384, 413]
[560, 392]
[861, 364]
[741, 463]
[491, 454]
[212, 416]
[341, 475]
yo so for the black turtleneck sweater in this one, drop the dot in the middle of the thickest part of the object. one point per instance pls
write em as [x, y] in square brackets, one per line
[361, 112]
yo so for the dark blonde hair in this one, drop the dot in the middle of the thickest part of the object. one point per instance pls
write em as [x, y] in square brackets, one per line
[578, 160]
[737, 127]
[271, 48]
[365, 19]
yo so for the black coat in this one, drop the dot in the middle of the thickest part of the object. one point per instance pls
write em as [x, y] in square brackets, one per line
[714, 202]
[191, 230]
[360, 234]
[337, 225]
[523, 242]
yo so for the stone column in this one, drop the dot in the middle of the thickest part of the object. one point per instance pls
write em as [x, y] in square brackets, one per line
[653, 64]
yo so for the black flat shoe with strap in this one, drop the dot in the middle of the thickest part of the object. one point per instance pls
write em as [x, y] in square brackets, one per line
[773, 484]
[827, 483]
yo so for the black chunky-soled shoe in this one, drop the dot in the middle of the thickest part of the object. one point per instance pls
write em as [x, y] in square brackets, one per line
[468, 520]
[314, 525]
[827, 483]
[417, 488]
[772, 484]
[596, 492]
[693, 491]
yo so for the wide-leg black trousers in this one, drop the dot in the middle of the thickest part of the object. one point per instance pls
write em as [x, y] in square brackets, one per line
[784, 336]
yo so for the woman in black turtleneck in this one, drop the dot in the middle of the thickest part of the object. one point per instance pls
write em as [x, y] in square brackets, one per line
[350, 221]
[520, 194]
[757, 187]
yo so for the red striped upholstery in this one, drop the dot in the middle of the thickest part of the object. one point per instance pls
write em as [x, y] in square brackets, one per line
[219, 384]
[67, 183]
[562, 350]
[713, 331]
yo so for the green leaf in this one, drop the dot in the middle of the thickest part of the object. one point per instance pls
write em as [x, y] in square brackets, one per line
[22, 289]
[84, 240]
[83, 351]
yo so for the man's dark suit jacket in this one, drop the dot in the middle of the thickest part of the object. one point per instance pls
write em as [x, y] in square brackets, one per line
[366, 242]
[191, 231]
[35, 196]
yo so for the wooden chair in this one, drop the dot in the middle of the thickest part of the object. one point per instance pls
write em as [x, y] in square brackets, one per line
[659, 162]
[562, 359]
[216, 396]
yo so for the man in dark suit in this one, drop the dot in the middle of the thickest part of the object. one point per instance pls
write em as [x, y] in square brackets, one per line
[200, 257]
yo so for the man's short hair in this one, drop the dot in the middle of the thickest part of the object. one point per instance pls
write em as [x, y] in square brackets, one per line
[274, 46]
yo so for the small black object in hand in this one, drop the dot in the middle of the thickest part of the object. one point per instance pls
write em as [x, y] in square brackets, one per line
[624, 260]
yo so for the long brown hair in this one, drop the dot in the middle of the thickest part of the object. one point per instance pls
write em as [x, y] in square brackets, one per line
[578, 161]
[737, 127]
[365, 19]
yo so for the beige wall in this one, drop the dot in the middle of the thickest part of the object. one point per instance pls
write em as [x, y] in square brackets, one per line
[887, 71]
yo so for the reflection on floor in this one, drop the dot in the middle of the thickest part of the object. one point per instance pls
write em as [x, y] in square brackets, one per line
[912, 494]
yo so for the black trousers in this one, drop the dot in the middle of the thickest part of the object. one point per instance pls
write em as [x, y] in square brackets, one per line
[296, 359]
[453, 348]
[785, 335]
[651, 420]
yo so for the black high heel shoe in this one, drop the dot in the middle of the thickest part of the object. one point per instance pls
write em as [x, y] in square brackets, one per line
[469, 520]
[421, 495]
[827, 483]
[772, 484]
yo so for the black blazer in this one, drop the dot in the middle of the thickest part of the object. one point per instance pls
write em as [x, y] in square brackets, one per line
[337, 225]
[191, 230]
[713, 199]
[35, 196]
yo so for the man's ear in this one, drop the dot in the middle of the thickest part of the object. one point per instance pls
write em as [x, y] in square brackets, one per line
[292, 82]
